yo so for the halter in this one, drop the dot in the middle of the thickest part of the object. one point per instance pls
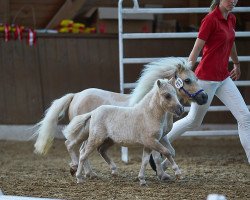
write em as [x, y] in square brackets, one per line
[179, 85]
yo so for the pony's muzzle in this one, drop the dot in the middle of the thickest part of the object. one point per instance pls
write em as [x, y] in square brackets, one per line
[201, 98]
[179, 110]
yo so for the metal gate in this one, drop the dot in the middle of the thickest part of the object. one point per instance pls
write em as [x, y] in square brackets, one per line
[129, 36]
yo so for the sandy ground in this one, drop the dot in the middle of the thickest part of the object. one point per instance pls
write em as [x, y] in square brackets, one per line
[209, 165]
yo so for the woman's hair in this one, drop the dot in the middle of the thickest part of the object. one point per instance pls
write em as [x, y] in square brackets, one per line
[214, 4]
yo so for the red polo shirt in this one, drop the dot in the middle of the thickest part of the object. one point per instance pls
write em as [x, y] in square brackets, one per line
[219, 35]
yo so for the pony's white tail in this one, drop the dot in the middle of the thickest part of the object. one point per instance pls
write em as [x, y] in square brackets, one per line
[78, 128]
[48, 125]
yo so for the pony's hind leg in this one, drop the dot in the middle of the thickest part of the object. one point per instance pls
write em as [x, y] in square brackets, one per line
[89, 173]
[95, 140]
[84, 153]
[145, 160]
[73, 155]
[103, 151]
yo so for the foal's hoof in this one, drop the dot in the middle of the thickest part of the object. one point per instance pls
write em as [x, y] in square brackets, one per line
[91, 175]
[72, 171]
[114, 173]
[178, 175]
[143, 183]
[164, 177]
[79, 180]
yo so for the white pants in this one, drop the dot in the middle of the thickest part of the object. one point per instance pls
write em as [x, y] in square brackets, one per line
[229, 94]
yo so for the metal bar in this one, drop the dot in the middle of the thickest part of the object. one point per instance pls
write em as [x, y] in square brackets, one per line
[238, 83]
[124, 150]
[120, 31]
[212, 133]
[136, 5]
[148, 60]
[173, 35]
[177, 10]
[213, 108]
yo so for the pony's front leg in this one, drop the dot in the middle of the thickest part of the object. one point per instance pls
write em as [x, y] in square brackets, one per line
[145, 160]
[161, 174]
[167, 126]
[156, 145]
[166, 143]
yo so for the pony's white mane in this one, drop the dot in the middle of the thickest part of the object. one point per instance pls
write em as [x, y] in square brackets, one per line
[160, 69]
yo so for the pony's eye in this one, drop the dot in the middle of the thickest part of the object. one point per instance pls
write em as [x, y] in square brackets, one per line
[168, 96]
[187, 81]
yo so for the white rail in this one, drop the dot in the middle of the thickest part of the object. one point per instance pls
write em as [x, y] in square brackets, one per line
[147, 60]
[128, 36]
[136, 9]
[173, 35]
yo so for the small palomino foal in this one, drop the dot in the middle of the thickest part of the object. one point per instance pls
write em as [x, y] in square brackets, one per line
[127, 126]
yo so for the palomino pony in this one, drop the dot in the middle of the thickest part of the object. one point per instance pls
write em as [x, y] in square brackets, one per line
[89, 99]
[139, 125]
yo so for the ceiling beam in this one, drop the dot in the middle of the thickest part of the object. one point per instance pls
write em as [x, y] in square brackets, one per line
[68, 11]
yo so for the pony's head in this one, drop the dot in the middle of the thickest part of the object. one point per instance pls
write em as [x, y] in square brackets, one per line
[186, 84]
[185, 81]
[168, 99]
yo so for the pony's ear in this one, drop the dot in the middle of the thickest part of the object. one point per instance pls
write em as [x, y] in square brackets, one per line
[175, 75]
[159, 83]
[171, 81]
[179, 66]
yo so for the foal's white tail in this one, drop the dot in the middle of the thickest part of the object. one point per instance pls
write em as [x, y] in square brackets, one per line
[78, 128]
[48, 125]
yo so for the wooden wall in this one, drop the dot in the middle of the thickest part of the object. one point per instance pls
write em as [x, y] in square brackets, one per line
[20, 11]
[32, 77]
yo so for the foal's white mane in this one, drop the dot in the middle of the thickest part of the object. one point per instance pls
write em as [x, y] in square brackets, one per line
[162, 68]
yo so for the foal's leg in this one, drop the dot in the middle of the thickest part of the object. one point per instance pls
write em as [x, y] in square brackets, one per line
[145, 159]
[87, 167]
[103, 151]
[157, 146]
[161, 174]
[165, 141]
[74, 159]
[84, 153]
[156, 158]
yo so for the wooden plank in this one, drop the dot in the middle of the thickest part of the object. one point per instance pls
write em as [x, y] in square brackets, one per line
[193, 19]
[29, 2]
[69, 10]
[4, 11]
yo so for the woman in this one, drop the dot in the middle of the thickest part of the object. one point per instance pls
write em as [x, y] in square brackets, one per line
[216, 38]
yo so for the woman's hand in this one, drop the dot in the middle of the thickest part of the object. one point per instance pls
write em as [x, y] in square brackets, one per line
[235, 73]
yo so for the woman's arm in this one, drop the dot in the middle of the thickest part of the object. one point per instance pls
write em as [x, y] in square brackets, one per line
[198, 45]
[235, 73]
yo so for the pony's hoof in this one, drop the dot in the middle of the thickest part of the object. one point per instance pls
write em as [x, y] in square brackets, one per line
[178, 175]
[72, 171]
[143, 183]
[80, 180]
[114, 173]
[164, 177]
[91, 175]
